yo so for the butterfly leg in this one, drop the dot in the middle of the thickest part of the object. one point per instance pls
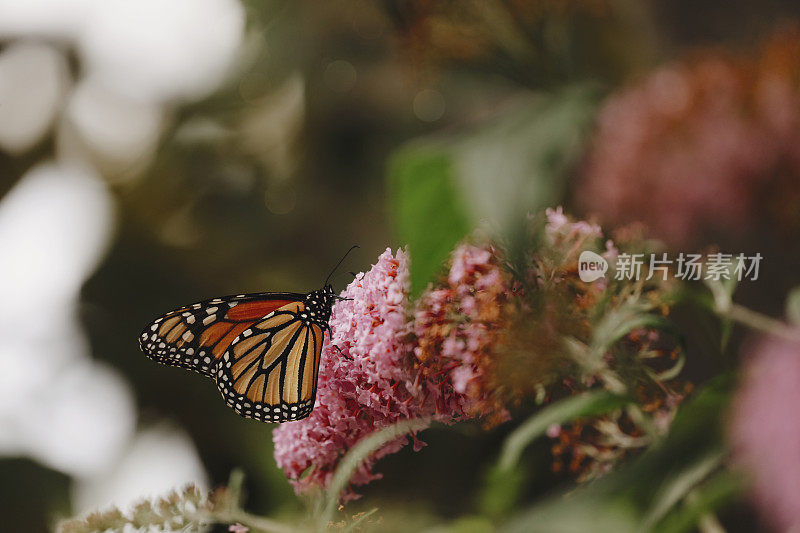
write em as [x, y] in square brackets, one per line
[342, 353]
[355, 276]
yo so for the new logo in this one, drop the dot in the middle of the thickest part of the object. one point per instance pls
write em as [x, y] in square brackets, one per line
[591, 266]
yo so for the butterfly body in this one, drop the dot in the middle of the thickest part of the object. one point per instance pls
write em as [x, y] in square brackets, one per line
[262, 349]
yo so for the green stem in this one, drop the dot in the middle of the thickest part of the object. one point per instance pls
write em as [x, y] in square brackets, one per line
[356, 456]
[760, 322]
[708, 523]
[239, 516]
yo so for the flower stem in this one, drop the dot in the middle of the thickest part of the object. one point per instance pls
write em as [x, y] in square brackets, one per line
[708, 522]
[233, 516]
[760, 322]
[255, 523]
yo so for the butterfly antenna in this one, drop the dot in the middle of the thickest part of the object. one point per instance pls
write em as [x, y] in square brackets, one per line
[340, 262]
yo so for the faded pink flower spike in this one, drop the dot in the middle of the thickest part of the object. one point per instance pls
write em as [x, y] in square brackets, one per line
[457, 326]
[765, 430]
[701, 149]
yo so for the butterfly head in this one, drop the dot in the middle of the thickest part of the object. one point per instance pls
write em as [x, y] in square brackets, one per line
[319, 303]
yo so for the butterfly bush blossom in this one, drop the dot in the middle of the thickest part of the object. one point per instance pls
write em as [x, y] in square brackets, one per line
[765, 430]
[698, 149]
[457, 324]
[462, 323]
[563, 307]
[382, 366]
[447, 357]
[362, 379]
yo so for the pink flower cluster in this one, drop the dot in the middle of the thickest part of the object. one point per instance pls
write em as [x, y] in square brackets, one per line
[560, 227]
[362, 379]
[694, 149]
[765, 430]
[457, 324]
[387, 362]
[373, 372]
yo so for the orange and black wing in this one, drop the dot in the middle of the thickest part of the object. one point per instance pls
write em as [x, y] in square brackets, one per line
[195, 337]
[270, 371]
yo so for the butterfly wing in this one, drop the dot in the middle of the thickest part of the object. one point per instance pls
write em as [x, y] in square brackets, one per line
[195, 337]
[270, 371]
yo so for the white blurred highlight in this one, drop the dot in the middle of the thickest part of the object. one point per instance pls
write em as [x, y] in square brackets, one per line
[154, 50]
[159, 460]
[57, 405]
[55, 225]
[137, 58]
[83, 419]
[162, 50]
[270, 127]
[118, 130]
[60, 19]
[33, 80]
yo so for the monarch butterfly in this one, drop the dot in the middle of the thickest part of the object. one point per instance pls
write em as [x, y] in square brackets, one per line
[262, 349]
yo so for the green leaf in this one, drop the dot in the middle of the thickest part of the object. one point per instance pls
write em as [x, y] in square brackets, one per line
[518, 163]
[650, 486]
[558, 413]
[696, 434]
[429, 215]
[490, 176]
[577, 514]
[466, 524]
[617, 323]
[702, 414]
[793, 306]
[678, 486]
[363, 449]
[722, 292]
[720, 490]
[234, 497]
[502, 490]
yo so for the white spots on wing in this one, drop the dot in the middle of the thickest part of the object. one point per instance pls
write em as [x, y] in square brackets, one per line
[209, 319]
[190, 319]
[212, 310]
[188, 336]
